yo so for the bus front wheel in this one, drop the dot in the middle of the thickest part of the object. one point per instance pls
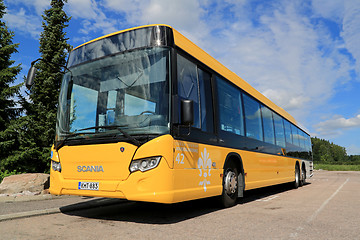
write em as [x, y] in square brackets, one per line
[230, 186]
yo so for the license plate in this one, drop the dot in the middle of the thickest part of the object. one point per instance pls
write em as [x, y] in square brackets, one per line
[89, 186]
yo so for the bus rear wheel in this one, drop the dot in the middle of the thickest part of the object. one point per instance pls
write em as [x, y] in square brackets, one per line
[230, 186]
[297, 177]
[303, 176]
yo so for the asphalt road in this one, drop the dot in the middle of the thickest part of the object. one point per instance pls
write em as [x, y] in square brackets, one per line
[328, 207]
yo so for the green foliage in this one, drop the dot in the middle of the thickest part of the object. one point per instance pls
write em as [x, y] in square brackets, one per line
[330, 153]
[8, 72]
[35, 131]
[333, 167]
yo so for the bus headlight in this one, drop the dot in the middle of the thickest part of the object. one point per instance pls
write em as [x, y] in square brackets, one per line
[56, 166]
[144, 164]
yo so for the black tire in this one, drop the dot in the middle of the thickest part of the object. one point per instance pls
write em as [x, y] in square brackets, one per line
[230, 186]
[297, 177]
[303, 176]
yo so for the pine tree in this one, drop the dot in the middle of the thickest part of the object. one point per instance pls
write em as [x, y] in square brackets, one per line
[8, 72]
[36, 130]
[45, 92]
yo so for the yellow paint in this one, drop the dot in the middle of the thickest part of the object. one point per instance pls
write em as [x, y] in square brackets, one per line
[186, 170]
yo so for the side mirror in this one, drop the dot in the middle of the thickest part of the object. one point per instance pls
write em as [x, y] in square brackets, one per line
[30, 77]
[187, 112]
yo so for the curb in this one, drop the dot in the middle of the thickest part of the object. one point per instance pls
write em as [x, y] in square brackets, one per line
[70, 208]
[28, 198]
[29, 214]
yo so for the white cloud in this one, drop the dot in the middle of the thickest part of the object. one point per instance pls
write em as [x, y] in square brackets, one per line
[277, 48]
[184, 15]
[20, 21]
[351, 30]
[283, 54]
[94, 18]
[332, 10]
[337, 124]
[125, 6]
[38, 5]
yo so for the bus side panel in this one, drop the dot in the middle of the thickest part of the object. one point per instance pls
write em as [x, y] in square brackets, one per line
[198, 170]
[263, 170]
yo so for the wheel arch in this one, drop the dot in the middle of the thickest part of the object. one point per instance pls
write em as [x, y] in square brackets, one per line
[237, 160]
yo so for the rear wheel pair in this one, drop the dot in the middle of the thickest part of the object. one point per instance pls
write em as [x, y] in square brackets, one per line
[299, 178]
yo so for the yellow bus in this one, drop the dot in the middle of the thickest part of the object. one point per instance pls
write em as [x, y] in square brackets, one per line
[146, 115]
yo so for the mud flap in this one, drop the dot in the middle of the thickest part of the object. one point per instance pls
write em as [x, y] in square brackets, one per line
[241, 185]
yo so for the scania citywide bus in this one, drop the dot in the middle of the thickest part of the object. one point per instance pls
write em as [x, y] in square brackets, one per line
[146, 115]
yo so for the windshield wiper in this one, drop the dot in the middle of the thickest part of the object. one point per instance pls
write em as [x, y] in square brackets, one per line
[118, 127]
[70, 136]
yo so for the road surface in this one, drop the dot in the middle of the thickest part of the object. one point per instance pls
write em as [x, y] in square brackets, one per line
[328, 207]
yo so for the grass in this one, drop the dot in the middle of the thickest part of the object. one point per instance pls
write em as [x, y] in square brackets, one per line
[333, 167]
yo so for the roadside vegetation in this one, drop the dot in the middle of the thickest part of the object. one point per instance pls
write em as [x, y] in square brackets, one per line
[333, 167]
[27, 120]
[332, 157]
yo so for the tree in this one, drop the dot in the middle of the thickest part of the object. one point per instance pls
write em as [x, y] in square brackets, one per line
[326, 152]
[37, 128]
[8, 72]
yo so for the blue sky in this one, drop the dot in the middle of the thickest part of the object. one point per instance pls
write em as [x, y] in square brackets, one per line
[304, 55]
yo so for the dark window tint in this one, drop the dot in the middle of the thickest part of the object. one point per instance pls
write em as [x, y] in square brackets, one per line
[279, 130]
[230, 108]
[295, 135]
[288, 135]
[188, 87]
[206, 101]
[269, 135]
[302, 137]
[252, 118]
[308, 143]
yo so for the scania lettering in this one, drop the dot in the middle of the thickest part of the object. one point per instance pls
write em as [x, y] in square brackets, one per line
[90, 169]
[146, 115]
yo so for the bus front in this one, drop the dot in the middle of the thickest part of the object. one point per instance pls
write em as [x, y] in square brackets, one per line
[113, 123]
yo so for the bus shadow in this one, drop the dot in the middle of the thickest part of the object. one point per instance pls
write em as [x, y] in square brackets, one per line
[266, 192]
[156, 213]
[142, 212]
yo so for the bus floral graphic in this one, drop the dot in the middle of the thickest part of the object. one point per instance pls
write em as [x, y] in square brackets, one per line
[204, 165]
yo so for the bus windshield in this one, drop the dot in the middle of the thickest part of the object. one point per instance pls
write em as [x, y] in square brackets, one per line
[126, 94]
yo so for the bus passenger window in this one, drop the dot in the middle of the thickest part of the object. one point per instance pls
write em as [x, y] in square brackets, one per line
[207, 120]
[268, 122]
[295, 135]
[252, 118]
[230, 108]
[188, 86]
[279, 131]
[288, 135]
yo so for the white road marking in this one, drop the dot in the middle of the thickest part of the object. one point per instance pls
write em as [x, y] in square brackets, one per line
[326, 202]
[266, 199]
[300, 228]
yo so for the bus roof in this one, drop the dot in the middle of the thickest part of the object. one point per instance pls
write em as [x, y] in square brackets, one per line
[185, 44]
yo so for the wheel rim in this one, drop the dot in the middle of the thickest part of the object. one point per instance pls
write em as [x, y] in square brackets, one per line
[302, 175]
[297, 176]
[230, 182]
